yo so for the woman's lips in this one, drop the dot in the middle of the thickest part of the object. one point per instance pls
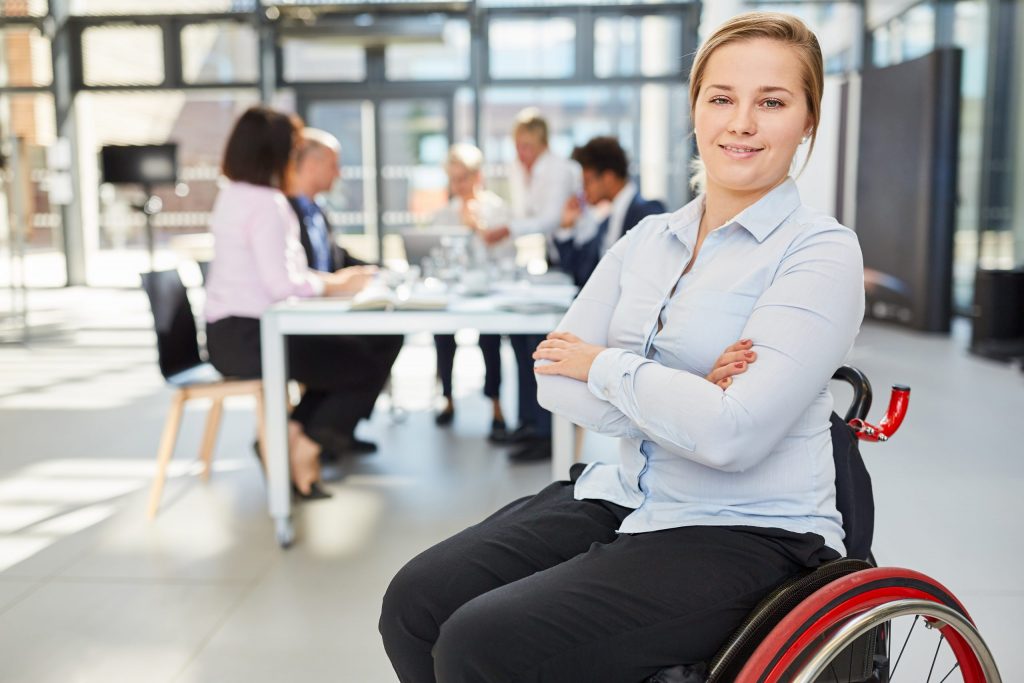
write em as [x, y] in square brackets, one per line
[740, 151]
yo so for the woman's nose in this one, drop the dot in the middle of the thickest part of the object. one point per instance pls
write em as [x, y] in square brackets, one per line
[742, 122]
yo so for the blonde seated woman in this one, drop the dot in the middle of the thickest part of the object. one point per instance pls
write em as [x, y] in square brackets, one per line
[723, 488]
[476, 209]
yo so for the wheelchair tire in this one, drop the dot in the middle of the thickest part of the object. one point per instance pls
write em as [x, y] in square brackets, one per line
[821, 626]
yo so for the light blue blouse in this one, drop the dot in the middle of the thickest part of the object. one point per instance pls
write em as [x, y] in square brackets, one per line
[759, 453]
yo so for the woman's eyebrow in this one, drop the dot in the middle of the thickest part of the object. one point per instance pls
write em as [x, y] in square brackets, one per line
[761, 89]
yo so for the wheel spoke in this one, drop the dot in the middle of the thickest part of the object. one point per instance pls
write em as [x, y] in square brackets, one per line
[934, 657]
[900, 655]
[832, 668]
[849, 670]
[955, 667]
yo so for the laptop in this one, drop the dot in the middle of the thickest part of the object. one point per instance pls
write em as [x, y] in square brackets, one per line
[419, 242]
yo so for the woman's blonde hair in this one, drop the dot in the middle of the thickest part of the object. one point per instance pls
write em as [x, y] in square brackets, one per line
[783, 28]
[468, 156]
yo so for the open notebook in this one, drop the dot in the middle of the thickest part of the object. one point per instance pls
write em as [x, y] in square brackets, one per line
[381, 298]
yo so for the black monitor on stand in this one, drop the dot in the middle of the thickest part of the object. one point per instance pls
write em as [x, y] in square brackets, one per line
[145, 165]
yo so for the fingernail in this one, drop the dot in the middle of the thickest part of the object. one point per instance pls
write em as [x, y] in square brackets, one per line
[744, 341]
[749, 354]
[738, 364]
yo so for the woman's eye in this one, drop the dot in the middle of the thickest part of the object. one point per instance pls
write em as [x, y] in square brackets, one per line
[719, 100]
[772, 104]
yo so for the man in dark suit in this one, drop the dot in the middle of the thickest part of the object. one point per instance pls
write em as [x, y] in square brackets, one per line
[369, 357]
[605, 180]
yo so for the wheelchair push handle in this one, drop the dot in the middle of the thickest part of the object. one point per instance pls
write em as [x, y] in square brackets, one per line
[898, 403]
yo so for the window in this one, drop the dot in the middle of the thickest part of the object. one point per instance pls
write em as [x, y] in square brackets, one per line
[532, 48]
[24, 58]
[219, 52]
[446, 59]
[650, 121]
[323, 59]
[647, 46]
[104, 49]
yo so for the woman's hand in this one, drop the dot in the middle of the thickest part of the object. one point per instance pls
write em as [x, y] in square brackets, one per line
[734, 361]
[571, 212]
[348, 280]
[470, 215]
[570, 356]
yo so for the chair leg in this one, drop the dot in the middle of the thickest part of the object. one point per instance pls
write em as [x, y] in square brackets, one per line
[261, 429]
[167, 441]
[210, 436]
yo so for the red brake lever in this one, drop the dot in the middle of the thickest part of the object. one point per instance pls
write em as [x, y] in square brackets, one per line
[898, 403]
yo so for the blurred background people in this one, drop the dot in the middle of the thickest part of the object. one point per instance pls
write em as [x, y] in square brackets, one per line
[476, 208]
[605, 171]
[368, 358]
[540, 185]
[259, 261]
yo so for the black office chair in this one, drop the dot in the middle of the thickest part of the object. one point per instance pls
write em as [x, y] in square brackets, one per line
[183, 367]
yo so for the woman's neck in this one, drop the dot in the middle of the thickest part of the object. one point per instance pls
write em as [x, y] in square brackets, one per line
[720, 204]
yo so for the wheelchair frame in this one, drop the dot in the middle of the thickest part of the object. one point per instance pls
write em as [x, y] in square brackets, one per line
[842, 610]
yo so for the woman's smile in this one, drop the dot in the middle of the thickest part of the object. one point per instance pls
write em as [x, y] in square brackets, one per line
[740, 151]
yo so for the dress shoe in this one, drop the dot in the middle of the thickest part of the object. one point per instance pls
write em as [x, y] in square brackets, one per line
[536, 450]
[499, 432]
[521, 435]
[316, 492]
[361, 447]
[444, 418]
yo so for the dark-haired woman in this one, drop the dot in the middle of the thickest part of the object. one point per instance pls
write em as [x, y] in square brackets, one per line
[260, 261]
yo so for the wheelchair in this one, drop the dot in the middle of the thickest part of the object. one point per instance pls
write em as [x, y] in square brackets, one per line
[851, 621]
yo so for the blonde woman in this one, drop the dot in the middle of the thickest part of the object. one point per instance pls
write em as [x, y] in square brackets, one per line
[723, 488]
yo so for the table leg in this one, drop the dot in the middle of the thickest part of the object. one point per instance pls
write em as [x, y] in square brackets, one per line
[563, 446]
[275, 373]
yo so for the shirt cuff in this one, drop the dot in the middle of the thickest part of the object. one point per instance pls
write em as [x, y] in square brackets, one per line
[317, 284]
[563, 234]
[608, 369]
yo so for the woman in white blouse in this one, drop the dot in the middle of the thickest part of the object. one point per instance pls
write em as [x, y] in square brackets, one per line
[476, 209]
[723, 489]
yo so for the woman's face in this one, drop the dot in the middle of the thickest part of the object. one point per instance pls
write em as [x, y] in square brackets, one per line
[461, 181]
[529, 147]
[750, 116]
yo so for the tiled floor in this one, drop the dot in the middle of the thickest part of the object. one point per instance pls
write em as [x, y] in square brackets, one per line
[91, 591]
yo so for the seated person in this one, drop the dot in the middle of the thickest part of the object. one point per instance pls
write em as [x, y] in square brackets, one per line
[605, 179]
[368, 357]
[722, 490]
[472, 206]
[258, 262]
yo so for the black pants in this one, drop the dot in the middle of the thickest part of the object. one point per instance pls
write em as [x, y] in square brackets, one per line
[490, 347]
[343, 374]
[530, 412]
[545, 590]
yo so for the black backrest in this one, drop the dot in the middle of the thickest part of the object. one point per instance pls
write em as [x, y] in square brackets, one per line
[854, 496]
[172, 317]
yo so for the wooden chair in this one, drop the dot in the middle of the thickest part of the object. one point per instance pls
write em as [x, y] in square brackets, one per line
[183, 368]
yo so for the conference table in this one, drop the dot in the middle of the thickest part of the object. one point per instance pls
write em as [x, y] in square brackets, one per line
[521, 307]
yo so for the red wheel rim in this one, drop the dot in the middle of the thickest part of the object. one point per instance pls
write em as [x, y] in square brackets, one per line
[809, 618]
